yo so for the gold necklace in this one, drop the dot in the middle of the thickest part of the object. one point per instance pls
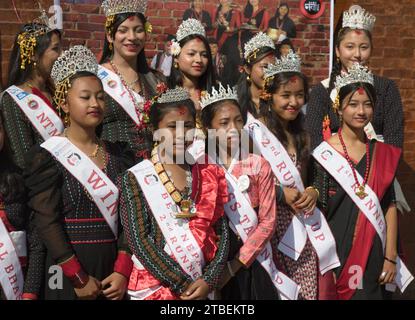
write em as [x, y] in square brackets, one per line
[97, 145]
[186, 204]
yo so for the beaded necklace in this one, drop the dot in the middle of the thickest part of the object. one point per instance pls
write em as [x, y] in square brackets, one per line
[361, 187]
[182, 199]
[139, 107]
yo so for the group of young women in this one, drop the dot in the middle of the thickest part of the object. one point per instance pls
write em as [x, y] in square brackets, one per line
[88, 193]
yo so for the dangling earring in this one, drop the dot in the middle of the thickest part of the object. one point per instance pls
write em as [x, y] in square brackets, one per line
[337, 59]
[110, 46]
[248, 78]
[66, 120]
[176, 65]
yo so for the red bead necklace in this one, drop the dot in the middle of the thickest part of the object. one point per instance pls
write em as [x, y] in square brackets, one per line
[138, 107]
[361, 187]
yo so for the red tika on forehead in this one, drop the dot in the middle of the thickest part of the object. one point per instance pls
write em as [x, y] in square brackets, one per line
[131, 18]
[293, 79]
[358, 32]
[182, 110]
[361, 91]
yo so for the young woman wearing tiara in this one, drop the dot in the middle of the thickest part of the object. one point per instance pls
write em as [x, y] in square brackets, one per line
[252, 205]
[126, 76]
[303, 244]
[354, 175]
[70, 180]
[172, 212]
[26, 105]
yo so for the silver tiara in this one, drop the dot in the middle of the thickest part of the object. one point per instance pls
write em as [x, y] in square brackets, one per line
[113, 7]
[257, 42]
[357, 73]
[189, 27]
[215, 96]
[289, 63]
[358, 18]
[76, 59]
[174, 95]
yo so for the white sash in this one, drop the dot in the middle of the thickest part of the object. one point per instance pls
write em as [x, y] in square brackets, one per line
[338, 167]
[11, 275]
[114, 87]
[243, 220]
[99, 186]
[41, 116]
[314, 225]
[176, 232]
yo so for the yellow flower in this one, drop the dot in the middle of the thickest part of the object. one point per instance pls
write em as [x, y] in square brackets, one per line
[148, 27]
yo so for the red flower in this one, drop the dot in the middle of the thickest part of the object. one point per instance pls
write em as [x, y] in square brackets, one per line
[161, 87]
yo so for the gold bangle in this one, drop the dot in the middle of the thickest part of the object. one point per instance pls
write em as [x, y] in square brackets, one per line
[314, 188]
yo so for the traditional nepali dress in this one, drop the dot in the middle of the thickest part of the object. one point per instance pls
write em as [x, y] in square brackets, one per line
[351, 229]
[304, 271]
[16, 217]
[21, 134]
[74, 231]
[118, 125]
[252, 282]
[153, 267]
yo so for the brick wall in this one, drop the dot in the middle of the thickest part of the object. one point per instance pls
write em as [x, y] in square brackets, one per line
[84, 24]
[394, 57]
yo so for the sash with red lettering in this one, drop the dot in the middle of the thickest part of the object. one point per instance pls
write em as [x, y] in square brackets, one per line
[313, 225]
[97, 184]
[11, 275]
[176, 232]
[371, 221]
[243, 219]
[43, 118]
[114, 87]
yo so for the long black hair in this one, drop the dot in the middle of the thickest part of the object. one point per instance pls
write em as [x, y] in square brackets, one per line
[277, 12]
[243, 85]
[17, 76]
[249, 10]
[339, 34]
[11, 182]
[207, 80]
[353, 87]
[143, 68]
[295, 127]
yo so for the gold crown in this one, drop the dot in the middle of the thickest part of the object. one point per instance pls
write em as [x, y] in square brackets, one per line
[113, 7]
[27, 39]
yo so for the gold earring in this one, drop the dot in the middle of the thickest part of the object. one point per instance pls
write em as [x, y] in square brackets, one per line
[248, 78]
[110, 46]
[66, 120]
[337, 59]
[176, 65]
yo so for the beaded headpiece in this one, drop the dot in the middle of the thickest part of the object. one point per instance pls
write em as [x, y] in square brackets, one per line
[76, 59]
[357, 73]
[27, 39]
[289, 63]
[173, 95]
[358, 18]
[259, 41]
[215, 96]
[187, 27]
[113, 7]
